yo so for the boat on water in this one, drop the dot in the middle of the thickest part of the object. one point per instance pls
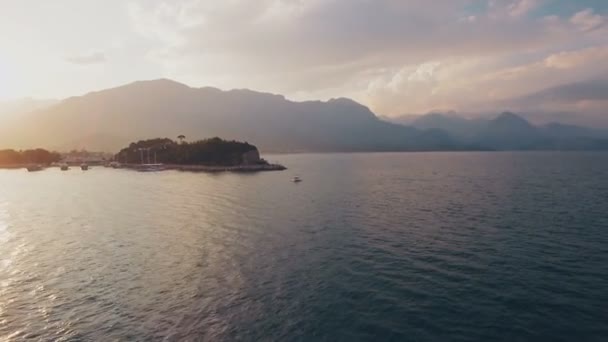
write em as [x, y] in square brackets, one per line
[84, 166]
[34, 168]
[64, 167]
[115, 165]
[296, 179]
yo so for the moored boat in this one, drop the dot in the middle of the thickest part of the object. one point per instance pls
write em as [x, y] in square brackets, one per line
[84, 166]
[34, 168]
[64, 167]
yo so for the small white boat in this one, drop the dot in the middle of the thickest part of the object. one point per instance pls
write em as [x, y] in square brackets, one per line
[84, 166]
[296, 179]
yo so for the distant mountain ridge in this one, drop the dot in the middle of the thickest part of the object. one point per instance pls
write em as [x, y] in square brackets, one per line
[509, 131]
[107, 120]
[166, 108]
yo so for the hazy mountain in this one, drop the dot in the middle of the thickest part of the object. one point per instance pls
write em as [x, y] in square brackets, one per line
[10, 111]
[509, 131]
[23, 106]
[111, 118]
[581, 103]
[95, 142]
[563, 136]
[108, 120]
[455, 125]
[558, 130]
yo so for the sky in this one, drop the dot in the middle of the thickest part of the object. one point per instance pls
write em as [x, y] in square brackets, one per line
[395, 56]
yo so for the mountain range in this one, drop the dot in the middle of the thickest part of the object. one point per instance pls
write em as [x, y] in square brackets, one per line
[509, 131]
[108, 120]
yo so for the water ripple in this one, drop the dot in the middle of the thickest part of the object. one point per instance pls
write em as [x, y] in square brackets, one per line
[426, 247]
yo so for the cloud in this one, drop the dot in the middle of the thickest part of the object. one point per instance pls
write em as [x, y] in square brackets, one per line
[573, 59]
[287, 34]
[581, 103]
[284, 35]
[92, 58]
[522, 7]
[587, 91]
[396, 56]
[587, 20]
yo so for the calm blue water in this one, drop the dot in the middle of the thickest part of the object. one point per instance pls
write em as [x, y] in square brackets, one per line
[369, 247]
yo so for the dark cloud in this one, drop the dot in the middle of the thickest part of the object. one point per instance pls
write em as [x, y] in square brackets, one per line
[593, 90]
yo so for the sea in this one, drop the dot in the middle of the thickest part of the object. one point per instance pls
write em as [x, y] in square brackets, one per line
[484, 246]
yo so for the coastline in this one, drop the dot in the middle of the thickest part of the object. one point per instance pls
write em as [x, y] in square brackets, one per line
[21, 166]
[176, 167]
[209, 168]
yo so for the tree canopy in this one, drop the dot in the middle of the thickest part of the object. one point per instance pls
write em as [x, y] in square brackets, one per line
[214, 151]
[35, 156]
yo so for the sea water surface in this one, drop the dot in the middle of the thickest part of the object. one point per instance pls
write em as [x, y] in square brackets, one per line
[369, 247]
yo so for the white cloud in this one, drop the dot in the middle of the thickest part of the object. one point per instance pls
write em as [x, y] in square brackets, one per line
[572, 59]
[522, 7]
[587, 20]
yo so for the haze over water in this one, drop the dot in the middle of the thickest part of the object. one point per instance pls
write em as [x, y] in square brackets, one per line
[377, 247]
